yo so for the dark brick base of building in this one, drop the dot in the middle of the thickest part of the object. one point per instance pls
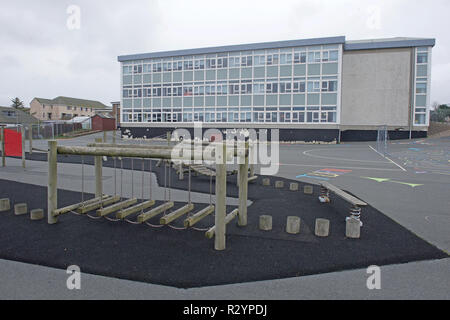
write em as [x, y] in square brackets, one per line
[307, 135]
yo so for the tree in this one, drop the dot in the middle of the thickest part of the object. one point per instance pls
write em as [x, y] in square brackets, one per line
[17, 103]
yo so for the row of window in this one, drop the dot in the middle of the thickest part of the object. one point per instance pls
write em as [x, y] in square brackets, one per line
[232, 62]
[227, 117]
[231, 89]
[420, 110]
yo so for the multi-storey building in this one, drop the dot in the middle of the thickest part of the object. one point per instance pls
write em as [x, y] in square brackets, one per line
[321, 89]
[64, 108]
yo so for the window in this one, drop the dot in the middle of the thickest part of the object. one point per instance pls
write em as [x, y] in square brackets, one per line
[258, 88]
[299, 86]
[285, 58]
[331, 55]
[330, 86]
[313, 86]
[222, 62]
[234, 61]
[156, 92]
[285, 87]
[234, 88]
[137, 69]
[157, 67]
[260, 60]
[199, 64]
[188, 65]
[246, 88]
[314, 56]
[272, 87]
[187, 91]
[272, 59]
[69, 108]
[422, 57]
[421, 88]
[299, 57]
[127, 93]
[127, 69]
[147, 68]
[211, 63]
[246, 61]
[137, 93]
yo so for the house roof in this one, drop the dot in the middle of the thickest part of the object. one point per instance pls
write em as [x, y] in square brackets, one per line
[398, 42]
[73, 102]
[104, 116]
[18, 117]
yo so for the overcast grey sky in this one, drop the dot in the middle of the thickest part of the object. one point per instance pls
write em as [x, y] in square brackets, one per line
[41, 57]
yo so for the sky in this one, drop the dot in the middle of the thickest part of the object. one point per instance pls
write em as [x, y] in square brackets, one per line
[46, 51]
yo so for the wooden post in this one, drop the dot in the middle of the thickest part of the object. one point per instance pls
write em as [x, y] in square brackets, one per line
[169, 137]
[114, 136]
[30, 137]
[98, 174]
[104, 136]
[243, 192]
[52, 188]
[22, 129]
[221, 191]
[3, 147]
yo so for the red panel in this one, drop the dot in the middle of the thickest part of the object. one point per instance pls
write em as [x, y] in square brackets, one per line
[13, 143]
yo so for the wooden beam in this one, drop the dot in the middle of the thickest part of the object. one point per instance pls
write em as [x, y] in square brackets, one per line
[176, 214]
[250, 179]
[154, 212]
[52, 186]
[189, 222]
[211, 232]
[104, 211]
[96, 205]
[122, 214]
[75, 206]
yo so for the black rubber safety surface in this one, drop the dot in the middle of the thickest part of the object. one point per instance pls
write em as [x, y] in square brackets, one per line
[186, 258]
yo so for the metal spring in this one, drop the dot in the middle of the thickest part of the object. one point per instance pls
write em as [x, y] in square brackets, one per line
[355, 211]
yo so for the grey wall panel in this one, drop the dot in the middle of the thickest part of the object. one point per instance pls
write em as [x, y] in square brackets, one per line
[246, 100]
[177, 76]
[285, 71]
[300, 70]
[329, 99]
[285, 99]
[188, 76]
[299, 100]
[157, 78]
[147, 78]
[167, 77]
[233, 101]
[199, 102]
[210, 101]
[272, 71]
[272, 100]
[259, 72]
[210, 74]
[313, 69]
[258, 100]
[199, 75]
[246, 73]
[187, 101]
[330, 68]
[128, 79]
[376, 87]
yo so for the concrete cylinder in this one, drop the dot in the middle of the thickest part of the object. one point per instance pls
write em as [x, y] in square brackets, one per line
[265, 223]
[266, 182]
[279, 184]
[20, 208]
[322, 227]
[5, 205]
[37, 214]
[308, 189]
[293, 225]
[352, 228]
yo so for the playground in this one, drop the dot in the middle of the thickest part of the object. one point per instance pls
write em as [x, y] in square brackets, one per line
[397, 187]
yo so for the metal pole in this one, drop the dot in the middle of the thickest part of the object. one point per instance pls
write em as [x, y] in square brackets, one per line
[52, 188]
[114, 136]
[243, 192]
[30, 137]
[22, 129]
[3, 147]
[98, 174]
[221, 191]
[104, 136]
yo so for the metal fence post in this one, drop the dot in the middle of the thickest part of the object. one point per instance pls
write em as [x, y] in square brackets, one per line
[52, 187]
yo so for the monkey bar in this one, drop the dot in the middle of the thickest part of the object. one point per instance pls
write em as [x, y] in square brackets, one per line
[101, 202]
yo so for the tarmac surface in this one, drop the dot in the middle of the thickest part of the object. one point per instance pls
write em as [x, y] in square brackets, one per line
[410, 186]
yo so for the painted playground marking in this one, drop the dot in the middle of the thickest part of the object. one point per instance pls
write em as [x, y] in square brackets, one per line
[352, 168]
[387, 158]
[325, 174]
[412, 185]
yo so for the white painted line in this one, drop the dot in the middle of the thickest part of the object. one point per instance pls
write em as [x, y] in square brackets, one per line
[387, 158]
